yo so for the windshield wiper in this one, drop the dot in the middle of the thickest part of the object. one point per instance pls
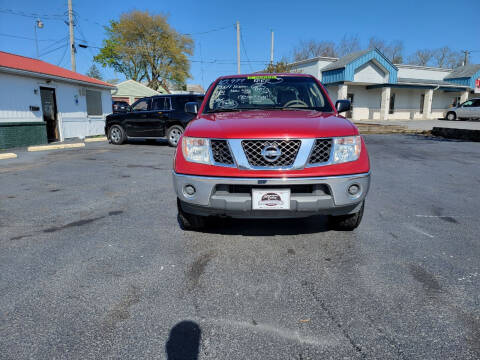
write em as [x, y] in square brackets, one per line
[231, 109]
[289, 108]
[222, 110]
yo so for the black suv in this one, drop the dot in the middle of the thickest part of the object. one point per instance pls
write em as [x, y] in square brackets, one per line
[156, 117]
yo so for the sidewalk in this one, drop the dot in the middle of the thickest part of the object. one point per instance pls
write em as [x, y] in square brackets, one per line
[423, 125]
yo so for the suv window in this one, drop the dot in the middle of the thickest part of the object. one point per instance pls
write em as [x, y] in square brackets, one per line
[180, 101]
[141, 105]
[161, 103]
[476, 103]
[267, 92]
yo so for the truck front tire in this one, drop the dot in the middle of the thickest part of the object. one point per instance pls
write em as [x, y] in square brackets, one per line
[189, 221]
[451, 116]
[173, 135]
[116, 135]
[347, 222]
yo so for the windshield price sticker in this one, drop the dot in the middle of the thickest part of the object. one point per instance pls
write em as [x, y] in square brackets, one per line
[262, 77]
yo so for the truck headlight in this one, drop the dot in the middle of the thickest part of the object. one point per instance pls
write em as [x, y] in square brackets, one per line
[346, 149]
[196, 149]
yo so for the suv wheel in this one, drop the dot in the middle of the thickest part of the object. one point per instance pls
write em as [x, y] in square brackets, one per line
[189, 221]
[347, 222]
[116, 135]
[173, 135]
[451, 116]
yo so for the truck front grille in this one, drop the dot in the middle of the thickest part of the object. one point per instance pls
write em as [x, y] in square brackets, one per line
[221, 152]
[321, 151]
[288, 149]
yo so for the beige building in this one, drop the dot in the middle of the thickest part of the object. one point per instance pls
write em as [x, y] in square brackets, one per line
[131, 90]
[379, 89]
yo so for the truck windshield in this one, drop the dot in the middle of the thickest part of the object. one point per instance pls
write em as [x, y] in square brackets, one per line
[267, 92]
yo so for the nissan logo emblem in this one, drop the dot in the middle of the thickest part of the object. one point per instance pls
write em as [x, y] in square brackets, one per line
[271, 153]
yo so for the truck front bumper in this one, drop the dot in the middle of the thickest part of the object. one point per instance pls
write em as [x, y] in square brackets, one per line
[229, 196]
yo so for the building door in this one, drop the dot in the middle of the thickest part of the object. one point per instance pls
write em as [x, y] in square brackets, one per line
[349, 114]
[49, 109]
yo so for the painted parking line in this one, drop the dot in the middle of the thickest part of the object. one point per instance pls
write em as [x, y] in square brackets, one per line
[8, 156]
[420, 231]
[55, 147]
[87, 140]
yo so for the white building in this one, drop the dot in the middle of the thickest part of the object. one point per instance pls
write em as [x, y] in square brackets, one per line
[41, 102]
[379, 89]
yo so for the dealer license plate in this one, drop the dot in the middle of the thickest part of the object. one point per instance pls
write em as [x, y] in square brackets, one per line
[271, 199]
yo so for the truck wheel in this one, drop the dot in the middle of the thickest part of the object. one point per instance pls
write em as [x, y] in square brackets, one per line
[451, 116]
[347, 222]
[173, 135]
[116, 135]
[189, 221]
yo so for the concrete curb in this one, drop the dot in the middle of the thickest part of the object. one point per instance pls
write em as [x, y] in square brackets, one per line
[8, 156]
[461, 134]
[87, 140]
[54, 147]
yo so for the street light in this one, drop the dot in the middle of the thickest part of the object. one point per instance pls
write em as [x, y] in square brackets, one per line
[39, 24]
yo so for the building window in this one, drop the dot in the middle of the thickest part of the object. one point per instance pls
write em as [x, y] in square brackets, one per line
[94, 102]
[391, 108]
[422, 103]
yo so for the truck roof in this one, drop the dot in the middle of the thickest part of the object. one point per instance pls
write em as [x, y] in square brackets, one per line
[265, 74]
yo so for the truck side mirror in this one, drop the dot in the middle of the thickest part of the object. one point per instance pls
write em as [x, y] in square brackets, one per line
[191, 108]
[343, 105]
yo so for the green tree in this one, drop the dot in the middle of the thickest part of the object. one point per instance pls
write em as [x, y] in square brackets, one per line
[94, 72]
[145, 47]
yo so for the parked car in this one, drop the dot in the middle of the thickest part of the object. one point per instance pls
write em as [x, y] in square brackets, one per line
[156, 117]
[270, 146]
[120, 106]
[470, 109]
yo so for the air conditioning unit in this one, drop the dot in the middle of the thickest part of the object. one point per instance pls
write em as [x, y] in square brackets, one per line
[82, 91]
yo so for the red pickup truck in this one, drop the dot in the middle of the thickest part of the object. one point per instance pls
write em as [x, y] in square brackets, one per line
[270, 146]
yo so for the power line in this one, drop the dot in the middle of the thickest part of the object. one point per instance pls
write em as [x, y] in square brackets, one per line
[209, 31]
[63, 55]
[245, 51]
[57, 17]
[55, 43]
[50, 51]
[25, 37]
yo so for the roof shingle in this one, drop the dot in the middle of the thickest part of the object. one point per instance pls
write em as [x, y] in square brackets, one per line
[344, 61]
[464, 71]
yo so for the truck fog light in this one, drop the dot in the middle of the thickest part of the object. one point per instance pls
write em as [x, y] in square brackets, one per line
[354, 189]
[189, 189]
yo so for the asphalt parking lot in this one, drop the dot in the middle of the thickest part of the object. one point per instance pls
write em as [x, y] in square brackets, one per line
[93, 263]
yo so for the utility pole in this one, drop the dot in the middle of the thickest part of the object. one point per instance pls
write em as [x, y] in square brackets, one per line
[72, 38]
[238, 47]
[466, 53]
[271, 50]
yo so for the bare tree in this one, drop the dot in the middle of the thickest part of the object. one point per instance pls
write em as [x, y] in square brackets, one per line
[446, 57]
[421, 57]
[313, 48]
[392, 50]
[347, 45]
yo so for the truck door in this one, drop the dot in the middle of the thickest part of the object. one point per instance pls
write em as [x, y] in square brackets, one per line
[476, 109]
[136, 121]
[161, 110]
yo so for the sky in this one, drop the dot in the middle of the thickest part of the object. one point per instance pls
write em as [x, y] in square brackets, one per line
[417, 23]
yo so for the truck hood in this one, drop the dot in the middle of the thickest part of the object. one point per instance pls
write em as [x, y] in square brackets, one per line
[260, 124]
